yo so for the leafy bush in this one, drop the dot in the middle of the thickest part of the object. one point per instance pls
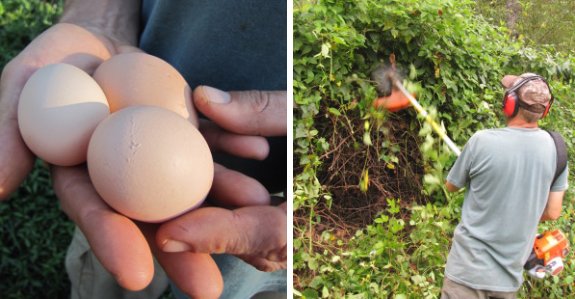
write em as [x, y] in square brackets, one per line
[21, 21]
[456, 60]
[538, 22]
[348, 153]
[389, 257]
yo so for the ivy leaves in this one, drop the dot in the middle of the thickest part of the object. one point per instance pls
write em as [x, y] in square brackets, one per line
[455, 59]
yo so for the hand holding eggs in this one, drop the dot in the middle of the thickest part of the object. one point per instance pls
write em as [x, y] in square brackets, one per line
[147, 159]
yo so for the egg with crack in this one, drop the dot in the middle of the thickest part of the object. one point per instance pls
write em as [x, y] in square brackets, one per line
[149, 163]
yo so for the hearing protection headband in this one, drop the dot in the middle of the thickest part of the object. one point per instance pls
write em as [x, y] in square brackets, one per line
[512, 101]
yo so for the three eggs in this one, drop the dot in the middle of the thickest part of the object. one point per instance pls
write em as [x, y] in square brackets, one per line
[134, 124]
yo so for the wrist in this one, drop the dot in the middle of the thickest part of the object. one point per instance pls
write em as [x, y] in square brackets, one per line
[116, 20]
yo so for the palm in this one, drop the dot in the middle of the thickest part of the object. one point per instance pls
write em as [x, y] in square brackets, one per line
[61, 43]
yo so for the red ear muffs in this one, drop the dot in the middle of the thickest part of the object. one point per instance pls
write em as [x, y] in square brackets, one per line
[548, 105]
[511, 98]
[510, 105]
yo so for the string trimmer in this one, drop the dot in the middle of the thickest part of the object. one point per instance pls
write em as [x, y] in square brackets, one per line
[395, 97]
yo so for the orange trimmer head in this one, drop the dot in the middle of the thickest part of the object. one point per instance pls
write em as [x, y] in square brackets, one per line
[389, 96]
[394, 102]
[393, 96]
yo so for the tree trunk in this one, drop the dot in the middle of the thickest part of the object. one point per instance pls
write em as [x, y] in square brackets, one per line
[513, 11]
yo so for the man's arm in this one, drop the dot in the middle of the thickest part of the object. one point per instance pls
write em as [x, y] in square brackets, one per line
[450, 187]
[554, 204]
[117, 20]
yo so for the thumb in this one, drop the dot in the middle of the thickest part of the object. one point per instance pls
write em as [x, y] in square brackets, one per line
[253, 112]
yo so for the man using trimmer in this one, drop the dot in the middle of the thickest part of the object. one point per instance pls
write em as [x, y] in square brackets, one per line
[512, 182]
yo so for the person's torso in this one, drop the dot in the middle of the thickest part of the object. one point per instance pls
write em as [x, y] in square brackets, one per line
[231, 45]
[509, 181]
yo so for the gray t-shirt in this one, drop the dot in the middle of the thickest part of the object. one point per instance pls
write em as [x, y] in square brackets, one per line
[508, 174]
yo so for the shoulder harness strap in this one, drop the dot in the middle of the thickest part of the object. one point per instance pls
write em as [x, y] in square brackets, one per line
[561, 149]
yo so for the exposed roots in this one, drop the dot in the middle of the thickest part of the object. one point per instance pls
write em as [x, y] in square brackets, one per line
[349, 157]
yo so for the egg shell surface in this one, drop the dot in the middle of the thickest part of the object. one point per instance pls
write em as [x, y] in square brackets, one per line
[59, 108]
[149, 163]
[142, 79]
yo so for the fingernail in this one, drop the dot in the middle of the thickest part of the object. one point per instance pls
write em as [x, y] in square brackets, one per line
[175, 246]
[216, 96]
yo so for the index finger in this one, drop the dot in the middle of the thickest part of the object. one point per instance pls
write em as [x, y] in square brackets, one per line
[257, 230]
[116, 240]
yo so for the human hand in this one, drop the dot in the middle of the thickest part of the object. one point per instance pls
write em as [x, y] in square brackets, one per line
[84, 47]
[89, 32]
[65, 43]
[257, 234]
[125, 247]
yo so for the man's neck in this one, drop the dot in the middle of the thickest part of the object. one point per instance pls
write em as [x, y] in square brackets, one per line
[518, 122]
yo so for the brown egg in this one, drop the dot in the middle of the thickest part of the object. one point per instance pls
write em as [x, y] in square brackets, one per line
[149, 163]
[142, 79]
[59, 108]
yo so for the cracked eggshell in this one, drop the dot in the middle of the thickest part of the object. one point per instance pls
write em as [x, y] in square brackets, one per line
[59, 108]
[149, 164]
[142, 79]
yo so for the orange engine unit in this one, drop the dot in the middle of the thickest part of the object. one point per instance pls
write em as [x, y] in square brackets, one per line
[550, 245]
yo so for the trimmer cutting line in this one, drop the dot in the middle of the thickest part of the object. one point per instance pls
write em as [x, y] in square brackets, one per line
[399, 98]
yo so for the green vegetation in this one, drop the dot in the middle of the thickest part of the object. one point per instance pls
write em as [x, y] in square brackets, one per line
[21, 21]
[538, 22]
[34, 235]
[371, 218]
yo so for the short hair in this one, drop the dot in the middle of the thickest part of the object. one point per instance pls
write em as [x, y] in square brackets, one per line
[529, 116]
